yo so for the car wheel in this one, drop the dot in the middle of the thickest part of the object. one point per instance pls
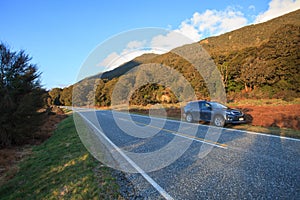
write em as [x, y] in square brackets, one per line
[189, 118]
[219, 121]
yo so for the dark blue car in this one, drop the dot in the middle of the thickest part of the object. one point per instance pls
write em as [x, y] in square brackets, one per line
[213, 112]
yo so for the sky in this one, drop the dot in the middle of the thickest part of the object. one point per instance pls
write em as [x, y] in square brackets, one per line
[61, 35]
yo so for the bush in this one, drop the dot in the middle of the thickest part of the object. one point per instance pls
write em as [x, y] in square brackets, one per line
[21, 97]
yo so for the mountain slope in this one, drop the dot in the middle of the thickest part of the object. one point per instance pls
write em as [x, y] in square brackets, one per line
[249, 36]
[256, 61]
[119, 71]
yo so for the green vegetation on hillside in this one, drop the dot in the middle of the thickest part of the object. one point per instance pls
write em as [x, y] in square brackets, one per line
[61, 168]
[257, 61]
[249, 36]
[269, 70]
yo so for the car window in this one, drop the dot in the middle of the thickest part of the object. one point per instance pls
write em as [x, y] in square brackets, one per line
[200, 104]
[205, 105]
[193, 105]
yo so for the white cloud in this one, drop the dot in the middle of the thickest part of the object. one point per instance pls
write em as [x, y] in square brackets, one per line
[189, 31]
[171, 40]
[209, 23]
[159, 44]
[136, 44]
[278, 8]
[252, 7]
[213, 22]
[133, 49]
[112, 60]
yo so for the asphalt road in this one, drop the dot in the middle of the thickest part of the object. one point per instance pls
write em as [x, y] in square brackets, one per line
[178, 160]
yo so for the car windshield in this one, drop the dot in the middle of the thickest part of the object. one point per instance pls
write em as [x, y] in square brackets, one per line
[218, 105]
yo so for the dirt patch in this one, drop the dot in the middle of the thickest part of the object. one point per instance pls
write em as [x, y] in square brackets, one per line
[49, 125]
[9, 159]
[11, 156]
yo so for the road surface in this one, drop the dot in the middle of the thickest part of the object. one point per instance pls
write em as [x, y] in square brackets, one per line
[178, 160]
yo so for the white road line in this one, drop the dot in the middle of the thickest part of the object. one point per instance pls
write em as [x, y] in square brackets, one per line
[230, 129]
[183, 135]
[131, 162]
[212, 144]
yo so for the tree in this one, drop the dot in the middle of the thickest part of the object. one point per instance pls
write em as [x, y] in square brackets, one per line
[66, 96]
[21, 97]
[55, 94]
[104, 92]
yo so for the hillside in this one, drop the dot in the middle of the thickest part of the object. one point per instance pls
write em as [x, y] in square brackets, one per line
[249, 36]
[256, 61]
[122, 69]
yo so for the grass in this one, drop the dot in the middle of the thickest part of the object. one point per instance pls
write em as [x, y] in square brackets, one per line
[61, 168]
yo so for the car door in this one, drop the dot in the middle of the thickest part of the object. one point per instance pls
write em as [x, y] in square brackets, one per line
[206, 110]
[195, 110]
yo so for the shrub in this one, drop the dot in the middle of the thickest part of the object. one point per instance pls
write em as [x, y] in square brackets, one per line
[21, 96]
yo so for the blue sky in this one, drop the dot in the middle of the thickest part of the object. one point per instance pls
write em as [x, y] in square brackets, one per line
[61, 34]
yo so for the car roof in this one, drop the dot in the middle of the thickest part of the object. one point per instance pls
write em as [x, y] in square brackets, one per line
[197, 101]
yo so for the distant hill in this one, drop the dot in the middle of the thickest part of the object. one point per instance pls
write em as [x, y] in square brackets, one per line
[248, 36]
[119, 71]
[256, 61]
